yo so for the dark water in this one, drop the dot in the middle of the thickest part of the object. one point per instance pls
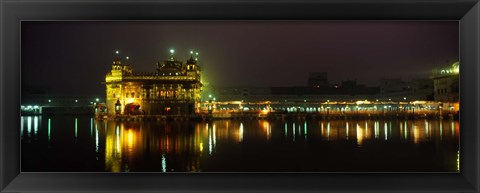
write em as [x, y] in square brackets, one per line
[82, 144]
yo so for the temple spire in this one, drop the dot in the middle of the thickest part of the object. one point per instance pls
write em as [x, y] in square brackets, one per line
[172, 54]
[116, 61]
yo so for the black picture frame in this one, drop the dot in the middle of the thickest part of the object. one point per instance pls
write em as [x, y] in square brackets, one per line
[13, 12]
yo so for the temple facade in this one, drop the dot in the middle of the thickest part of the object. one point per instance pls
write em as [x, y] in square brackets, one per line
[173, 89]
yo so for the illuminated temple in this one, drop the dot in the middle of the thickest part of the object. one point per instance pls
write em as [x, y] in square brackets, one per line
[173, 89]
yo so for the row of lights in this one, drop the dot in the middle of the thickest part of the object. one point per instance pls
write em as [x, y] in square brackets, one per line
[76, 100]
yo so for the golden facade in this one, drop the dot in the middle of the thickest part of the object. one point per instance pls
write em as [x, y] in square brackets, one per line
[173, 89]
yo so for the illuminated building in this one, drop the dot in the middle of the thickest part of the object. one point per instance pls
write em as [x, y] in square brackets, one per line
[173, 89]
[446, 83]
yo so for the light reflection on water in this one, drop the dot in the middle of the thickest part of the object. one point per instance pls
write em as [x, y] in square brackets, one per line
[242, 145]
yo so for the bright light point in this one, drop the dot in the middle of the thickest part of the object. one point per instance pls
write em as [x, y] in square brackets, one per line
[97, 99]
[117, 52]
[49, 100]
[172, 51]
[127, 57]
[196, 53]
[191, 52]
[76, 101]
[209, 96]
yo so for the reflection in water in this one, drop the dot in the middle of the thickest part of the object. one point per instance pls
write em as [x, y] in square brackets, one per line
[385, 128]
[441, 131]
[21, 125]
[328, 130]
[164, 163]
[359, 134]
[452, 128]
[76, 128]
[240, 135]
[305, 129]
[96, 138]
[29, 126]
[91, 126]
[35, 125]
[113, 154]
[149, 146]
[346, 132]
[49, 128]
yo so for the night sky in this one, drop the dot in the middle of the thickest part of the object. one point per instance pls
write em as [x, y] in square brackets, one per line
[73, 57]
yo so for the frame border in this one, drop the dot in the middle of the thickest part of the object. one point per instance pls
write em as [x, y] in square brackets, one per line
[12, 12]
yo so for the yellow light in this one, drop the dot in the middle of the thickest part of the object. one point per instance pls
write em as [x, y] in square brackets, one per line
[359, 134]
[130, 100]
[264, 111]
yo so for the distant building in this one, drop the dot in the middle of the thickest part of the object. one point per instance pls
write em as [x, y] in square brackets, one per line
[396, 89]
[173, 89]
[318, 79]
[348, 90]
[446, 83]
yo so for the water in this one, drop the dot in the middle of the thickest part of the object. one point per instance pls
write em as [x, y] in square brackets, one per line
[82, 144]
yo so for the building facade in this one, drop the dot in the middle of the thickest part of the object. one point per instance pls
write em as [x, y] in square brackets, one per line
[396, 89]
[446, 83]
[173, 89]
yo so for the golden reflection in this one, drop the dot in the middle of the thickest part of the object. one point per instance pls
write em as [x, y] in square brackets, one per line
[113, 153]
[416, 134]
[457, 128]
[359, 134]
[181, 145]
[240, 132]
[131, 137]
[427, 133]
[328, 130]
[267, 128]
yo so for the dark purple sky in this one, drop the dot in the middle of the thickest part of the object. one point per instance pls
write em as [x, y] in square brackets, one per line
[73, 57]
